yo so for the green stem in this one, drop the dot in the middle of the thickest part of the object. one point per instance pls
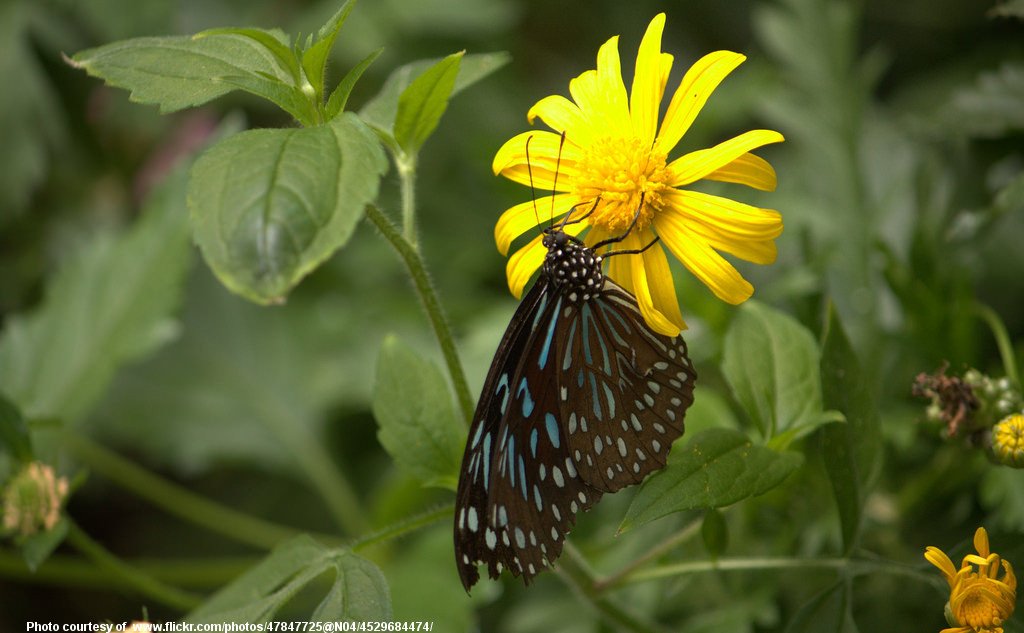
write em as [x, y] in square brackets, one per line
[577, 574]
[991, 318]
[177, 500]
[745, 564]
[654, 553]
[68, 571]
[406, 164]
[431, 304]
[128, 575]
[403, 527]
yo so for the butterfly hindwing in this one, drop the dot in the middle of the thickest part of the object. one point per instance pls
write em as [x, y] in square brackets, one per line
[628, 392]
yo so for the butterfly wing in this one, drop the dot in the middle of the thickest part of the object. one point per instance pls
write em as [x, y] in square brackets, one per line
[627, 393]
[519, 489]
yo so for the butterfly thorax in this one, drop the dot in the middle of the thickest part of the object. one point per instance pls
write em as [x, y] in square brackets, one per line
[572, 267]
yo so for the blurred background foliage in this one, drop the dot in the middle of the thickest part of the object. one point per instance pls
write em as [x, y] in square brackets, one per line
[901, 185]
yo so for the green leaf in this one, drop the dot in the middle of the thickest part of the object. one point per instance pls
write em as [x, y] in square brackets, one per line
[111, 303]
[288, 98]
[418, 424]
[339, 97]
[991, 107]
[716, 468]
[421, 104]
[715, 533]
[1002, 494]
[269, 206]
[827, 612]
[851, 451]
[275, 41]
[380, 112]
[1008, 9]
[358, 590]
[772, 365]
[38, 547]
[314, 58]
[14, 437]
[180, 71]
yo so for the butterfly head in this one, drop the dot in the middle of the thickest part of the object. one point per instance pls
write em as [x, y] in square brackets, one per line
[571, 266]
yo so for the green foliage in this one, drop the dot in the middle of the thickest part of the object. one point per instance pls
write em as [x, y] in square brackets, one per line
[827, 612]
[358, 590]
[771, 363]
[14, 438]
[269, 206]
[417, 422]
[714, 469]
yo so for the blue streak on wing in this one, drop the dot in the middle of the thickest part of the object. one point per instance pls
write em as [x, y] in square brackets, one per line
[524, 390]
[550, 335]
[552, 425]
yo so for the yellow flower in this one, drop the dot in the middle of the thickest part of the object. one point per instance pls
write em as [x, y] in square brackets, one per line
[616, 154]
[1008, 441]
[979, 601]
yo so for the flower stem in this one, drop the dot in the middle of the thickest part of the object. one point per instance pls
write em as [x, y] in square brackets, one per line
[576, 573]
[406, 164]
[403, 527]
[178, 500]
[128, 575]
[734, 564]
[991, 318]
[431, 304]
[656, 552]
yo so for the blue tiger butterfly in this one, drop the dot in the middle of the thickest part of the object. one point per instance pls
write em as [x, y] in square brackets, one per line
[582, 398]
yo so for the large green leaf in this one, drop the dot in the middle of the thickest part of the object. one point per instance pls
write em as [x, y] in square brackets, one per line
[715, 468]
[381, 111]
[176, 72]
[422, 104]
[109, 304]
[269, 206]
[418, 425]
[358, 590]
[851, 451]
[772, 365]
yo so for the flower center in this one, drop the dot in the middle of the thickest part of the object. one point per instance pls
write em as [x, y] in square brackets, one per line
[622, 172]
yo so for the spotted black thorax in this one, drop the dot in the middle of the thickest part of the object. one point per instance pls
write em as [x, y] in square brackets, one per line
[572, 266]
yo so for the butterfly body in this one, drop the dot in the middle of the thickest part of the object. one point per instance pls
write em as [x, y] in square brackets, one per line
[583, 398]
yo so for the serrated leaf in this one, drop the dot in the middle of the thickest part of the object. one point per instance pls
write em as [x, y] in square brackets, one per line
[314, 58]
[339, 97]
[380, 111]
[417, 422]
[827, 612]
[358, 592]
[421, 105]
[111, 303]
[14, 437]
[275, 41]
[851, 451]
[289, 99]
[178, 72]
[714, 469]
[772, 365]
[269, 206]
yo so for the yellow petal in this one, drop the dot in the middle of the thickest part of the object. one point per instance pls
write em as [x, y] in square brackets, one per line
[937, 557]
[562, 115]
[981, 541]
[524, 216]
[538, 147]
[730, 221]
[762, 251]
[663, 290]
[652, 295]
[711, 268]
[691, 95]
[696, 165]
[527, 260]
[611, 89]
[619, 268]
[648, 82]
[748, 169]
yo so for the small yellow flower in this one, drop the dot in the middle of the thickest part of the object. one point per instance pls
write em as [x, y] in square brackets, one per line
[979, 601]
[615, 153]
[1008, 441]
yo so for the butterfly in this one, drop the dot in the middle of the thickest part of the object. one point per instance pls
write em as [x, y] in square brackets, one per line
[582, 398]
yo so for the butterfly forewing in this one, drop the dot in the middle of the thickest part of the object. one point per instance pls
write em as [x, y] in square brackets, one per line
[519, 491]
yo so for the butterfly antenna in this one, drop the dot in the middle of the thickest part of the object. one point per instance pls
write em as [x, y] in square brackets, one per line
[554, 184]
[529, 171]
